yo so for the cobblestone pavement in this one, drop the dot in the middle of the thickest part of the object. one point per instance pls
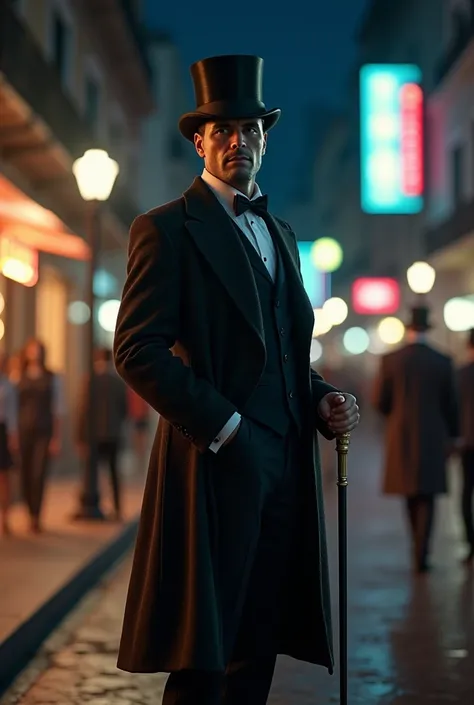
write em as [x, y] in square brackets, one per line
[411, 638]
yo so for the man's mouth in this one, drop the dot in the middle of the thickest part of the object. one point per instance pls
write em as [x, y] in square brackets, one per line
[239, 158]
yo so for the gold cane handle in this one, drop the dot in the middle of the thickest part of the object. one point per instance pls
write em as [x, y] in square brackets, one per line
[342, 449]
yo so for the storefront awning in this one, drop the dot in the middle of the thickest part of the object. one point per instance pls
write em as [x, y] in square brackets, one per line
[25, 221]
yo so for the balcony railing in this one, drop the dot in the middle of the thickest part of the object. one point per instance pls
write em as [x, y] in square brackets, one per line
[38, 83]
[457, 47]
[460, 223]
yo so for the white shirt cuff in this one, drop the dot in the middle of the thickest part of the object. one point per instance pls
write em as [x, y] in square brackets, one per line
[225, 432]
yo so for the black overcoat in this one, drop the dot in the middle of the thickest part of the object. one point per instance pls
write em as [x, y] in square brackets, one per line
[189, 340]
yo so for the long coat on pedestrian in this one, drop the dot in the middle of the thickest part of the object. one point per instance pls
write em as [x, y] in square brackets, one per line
[416, 392]
[189, 340]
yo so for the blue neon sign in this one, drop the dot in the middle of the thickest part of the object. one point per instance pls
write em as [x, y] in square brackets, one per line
[391, 133]
[314, 281]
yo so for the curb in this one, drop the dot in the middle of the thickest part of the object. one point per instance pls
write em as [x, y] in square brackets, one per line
[21, 646]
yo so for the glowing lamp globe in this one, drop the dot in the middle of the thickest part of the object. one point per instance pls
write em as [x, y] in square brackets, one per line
[336, 310]
[421, 277]
[326, 254]
[95, 174]
[356, 340]
[391, 330]
[107, 315]
[458, 314]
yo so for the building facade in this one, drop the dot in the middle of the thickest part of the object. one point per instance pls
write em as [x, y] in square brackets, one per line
[435, 35]
[168, 163]
[449, 215]
[73, 75]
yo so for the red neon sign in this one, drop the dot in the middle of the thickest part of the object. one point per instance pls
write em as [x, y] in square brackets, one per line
[373, 295]
[411, 108]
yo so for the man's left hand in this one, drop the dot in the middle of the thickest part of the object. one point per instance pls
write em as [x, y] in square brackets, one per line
[339, 411]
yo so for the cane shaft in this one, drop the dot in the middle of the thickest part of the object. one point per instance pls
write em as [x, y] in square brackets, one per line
[342, 448]
[342, 511]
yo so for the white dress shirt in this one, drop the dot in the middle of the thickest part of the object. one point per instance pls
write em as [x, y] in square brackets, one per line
[255, 229]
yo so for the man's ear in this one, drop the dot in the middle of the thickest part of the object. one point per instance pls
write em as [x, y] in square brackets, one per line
[264, 143]
[198, 144]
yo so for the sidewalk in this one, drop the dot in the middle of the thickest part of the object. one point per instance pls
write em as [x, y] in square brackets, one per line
[42, 577]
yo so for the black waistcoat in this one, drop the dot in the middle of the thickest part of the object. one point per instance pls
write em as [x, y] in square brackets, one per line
[274, 401]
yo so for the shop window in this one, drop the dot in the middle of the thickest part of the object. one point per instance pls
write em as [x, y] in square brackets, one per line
[61, 44]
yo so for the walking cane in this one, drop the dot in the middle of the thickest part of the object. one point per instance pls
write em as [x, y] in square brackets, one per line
[342, 449]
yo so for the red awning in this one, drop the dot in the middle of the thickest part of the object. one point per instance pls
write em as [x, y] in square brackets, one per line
[24, 220]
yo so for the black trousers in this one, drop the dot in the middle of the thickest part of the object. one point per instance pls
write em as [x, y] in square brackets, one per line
[108, 455]
[467, 497]
[420, 511]
[249, 674]
[34, 465]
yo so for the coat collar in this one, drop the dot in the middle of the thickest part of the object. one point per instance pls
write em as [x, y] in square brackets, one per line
[210, 226]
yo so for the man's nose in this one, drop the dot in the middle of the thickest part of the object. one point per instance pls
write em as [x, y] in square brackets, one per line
[238, 139]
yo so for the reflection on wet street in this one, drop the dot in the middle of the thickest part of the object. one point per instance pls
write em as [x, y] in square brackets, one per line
[411, 638]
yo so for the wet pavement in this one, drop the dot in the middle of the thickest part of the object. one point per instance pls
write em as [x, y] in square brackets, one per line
[411, 637]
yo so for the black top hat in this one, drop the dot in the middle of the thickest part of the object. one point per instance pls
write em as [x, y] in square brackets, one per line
[419, 320]
[227, 88]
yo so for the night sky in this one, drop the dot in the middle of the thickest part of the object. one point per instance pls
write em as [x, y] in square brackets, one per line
[307, 53]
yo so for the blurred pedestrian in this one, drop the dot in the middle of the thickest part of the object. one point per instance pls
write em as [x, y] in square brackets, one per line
[40, 411]
[8, 442]
[214, 332]
[466, 392]
[416, 392]
[111, 413]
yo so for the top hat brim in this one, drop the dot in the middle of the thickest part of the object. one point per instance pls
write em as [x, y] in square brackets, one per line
[190, 123]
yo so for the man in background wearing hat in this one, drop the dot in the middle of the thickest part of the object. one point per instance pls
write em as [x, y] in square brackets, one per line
[466, 395]
[416, 391]
[214, 332]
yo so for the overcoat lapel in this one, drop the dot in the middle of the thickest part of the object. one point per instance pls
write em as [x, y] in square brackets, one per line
[213, 232]
[302, 309]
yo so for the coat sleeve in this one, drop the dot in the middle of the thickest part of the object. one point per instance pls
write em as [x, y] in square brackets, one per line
[450, 402]
[147, 328]
[382, 390]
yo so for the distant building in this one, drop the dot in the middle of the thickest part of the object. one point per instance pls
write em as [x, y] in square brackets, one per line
[73, 75]
[167, 161]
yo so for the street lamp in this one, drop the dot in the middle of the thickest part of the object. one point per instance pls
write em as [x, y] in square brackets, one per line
[421, 277]
[95, 174]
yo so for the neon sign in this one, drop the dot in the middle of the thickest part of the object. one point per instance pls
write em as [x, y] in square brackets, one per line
[391, 126]
[375, 295]
[315, 282]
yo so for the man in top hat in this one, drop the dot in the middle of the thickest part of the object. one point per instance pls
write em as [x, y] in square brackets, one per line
[466, 398]
[416, 392]
[214, 332]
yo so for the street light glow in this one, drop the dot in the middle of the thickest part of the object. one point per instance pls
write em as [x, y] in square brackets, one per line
[391, 330]
[336, 310]
[107, 315]
[326, 254]
[459, 314]
[95, 174]
[421, 277]
[356, 340]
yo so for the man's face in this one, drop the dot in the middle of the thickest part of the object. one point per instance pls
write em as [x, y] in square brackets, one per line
[233, 151]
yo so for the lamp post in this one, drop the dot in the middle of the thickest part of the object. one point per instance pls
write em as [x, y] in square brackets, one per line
[95, 174]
